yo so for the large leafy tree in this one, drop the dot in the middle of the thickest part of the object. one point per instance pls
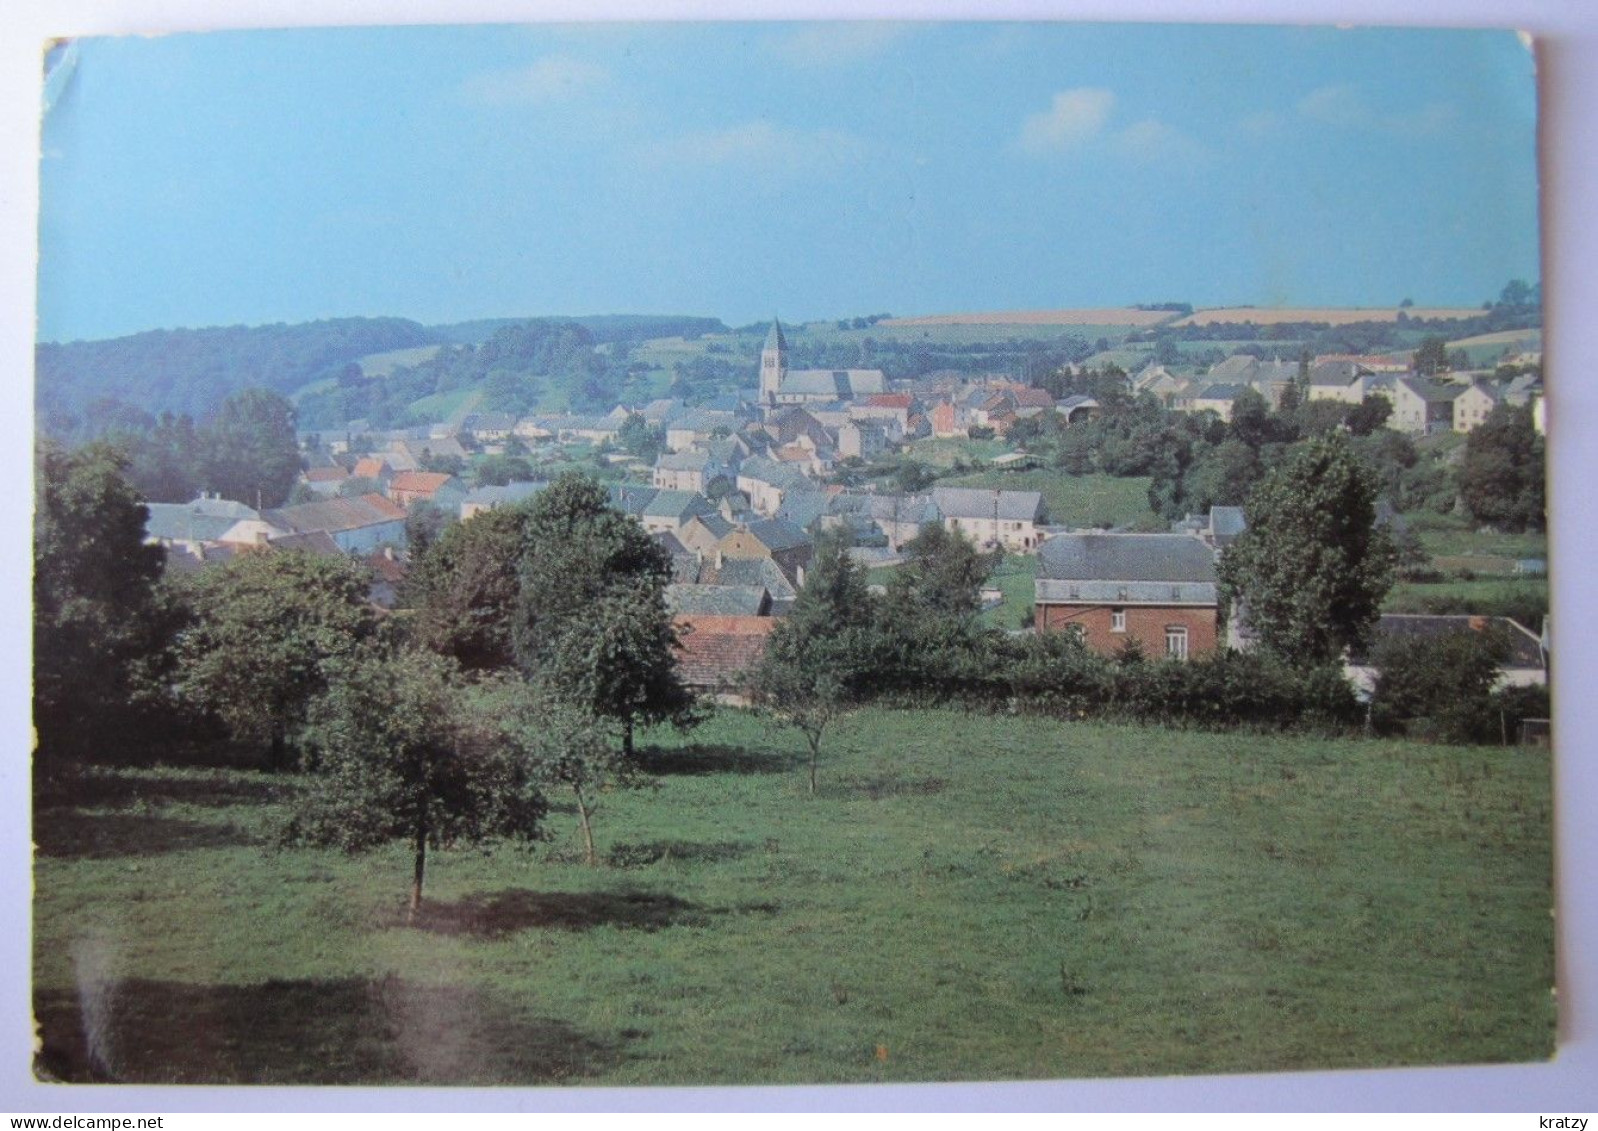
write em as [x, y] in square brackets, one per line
[268, 628]
[465, 588]
[251, 454]
[591, 613]
[97, 614]
[819, 662]
[400, 756]
[1312, 567]
[1502, 475]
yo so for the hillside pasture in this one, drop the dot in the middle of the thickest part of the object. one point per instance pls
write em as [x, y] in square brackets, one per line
[967, 898]
[383, 364]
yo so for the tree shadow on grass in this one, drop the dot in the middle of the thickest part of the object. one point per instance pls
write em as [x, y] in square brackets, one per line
[305, 1031]
[95, 788]
[700, 758]
[504, 913]
[71, 835]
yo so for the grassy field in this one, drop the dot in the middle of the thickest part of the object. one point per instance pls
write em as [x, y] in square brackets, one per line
[1522, 598]
[965, 898]
[1452, 535]
[1076, 500]
[382, 364]
[1015, 577]
[944, 452]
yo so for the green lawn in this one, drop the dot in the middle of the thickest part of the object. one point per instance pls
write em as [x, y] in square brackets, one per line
[1524, 599]
[1076, 500]
[966, 898]
[1452, 535]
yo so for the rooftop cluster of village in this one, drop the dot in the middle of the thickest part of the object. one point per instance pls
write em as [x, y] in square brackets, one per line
[740, 487]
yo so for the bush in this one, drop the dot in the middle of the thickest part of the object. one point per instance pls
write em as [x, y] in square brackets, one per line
[1445, 680]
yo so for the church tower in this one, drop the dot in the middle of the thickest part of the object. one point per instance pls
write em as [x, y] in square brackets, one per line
[773, 364]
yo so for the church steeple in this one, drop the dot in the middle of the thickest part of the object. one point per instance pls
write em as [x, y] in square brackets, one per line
[773, 363]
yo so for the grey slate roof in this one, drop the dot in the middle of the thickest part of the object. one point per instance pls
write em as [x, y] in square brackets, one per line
[1526, 648]
[1218, 392]
[508, 495]
[979, 502]
[678, 504]
[718, 525]
[777, 534]
[1126, 557]
[1150, 569]
[1335, 374]
[333, 515]
[718, 600]
[803, 507]
[631, 500]
[750, 572]
[204, 520]
[1430, 391]
[844, 384]
[691, 460]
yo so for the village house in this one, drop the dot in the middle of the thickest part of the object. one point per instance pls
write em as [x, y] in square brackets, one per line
[670, 511]
[482, 499]
[407, 488]
[1158, 590]
[1215, 397]
[1526, 665]
[781, 542]
[765, 482]
[193, 524]
[717, 653]
[1336, 381]
[358, 526]
[991, 518]
[1472, 406]
[690, 470]
[1422, 407]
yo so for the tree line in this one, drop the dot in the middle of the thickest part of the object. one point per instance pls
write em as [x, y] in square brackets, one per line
[536, 640]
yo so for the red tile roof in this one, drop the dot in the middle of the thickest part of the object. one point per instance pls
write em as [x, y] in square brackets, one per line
[890, 400]
[383, 504]
[717, 651]
[371, 467]
[418, 482]
[325, 474]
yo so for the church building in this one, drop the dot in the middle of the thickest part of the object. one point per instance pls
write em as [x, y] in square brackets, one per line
[781, 386]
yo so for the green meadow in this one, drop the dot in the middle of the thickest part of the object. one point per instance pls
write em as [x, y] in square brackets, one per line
[965, 898]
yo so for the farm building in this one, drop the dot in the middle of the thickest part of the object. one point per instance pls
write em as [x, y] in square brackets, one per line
[1156, 589]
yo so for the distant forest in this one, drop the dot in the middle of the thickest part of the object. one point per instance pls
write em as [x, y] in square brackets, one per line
[84, 389]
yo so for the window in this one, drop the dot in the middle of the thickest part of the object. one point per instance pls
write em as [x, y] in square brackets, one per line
[1117, 620]
[1176, 641]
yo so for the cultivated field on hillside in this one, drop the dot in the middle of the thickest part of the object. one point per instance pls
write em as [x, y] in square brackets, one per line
[1099, 316]
[382, 364]
[965, 898]
[1330, 315]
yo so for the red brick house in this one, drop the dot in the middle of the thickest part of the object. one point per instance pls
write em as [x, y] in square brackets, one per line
[1157, 589]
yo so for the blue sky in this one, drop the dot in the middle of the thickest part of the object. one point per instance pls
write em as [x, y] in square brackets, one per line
[737, 170]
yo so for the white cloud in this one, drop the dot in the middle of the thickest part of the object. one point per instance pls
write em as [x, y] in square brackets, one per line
[554, 78]
[759, 146]
[838, 44]
[1347, 108]
[1075, 116]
